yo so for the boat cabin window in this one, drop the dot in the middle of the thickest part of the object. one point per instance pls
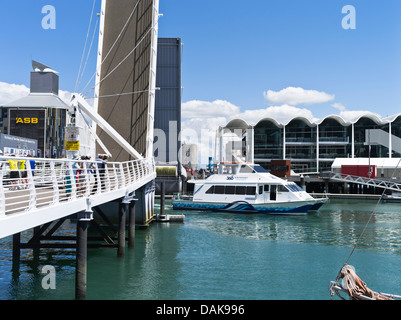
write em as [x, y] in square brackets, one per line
[229, 190]
[239, 190]
[266, 188]
[251, 169]
[246, 169]
[294, 187]
[219, 189]
[281, 188]
[260, 189]
[250, 191]
[210, 190]
[259, 168]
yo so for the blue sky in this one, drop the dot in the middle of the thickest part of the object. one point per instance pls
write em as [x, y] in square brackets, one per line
[234, 51]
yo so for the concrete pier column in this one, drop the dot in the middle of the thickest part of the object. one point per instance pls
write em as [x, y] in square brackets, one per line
[131, 225]
[81, 260]
[122, 218]
[162, 197]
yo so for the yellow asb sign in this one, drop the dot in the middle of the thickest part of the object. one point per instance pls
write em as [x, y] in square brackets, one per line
[72, 145]
[27, 120]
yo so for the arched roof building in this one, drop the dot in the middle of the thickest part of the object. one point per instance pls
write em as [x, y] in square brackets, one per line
[313, 144]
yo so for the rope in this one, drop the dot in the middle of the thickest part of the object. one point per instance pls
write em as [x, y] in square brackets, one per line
[87, 58]
[86, 41]
[115, 42]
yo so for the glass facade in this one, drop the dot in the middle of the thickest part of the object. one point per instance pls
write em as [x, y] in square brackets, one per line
[314, 146]
[362, 147]
[47, 126]
[396, 131]
[268, 140]
[299, 131]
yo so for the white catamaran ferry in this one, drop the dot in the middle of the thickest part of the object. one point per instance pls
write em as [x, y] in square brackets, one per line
[248, 188]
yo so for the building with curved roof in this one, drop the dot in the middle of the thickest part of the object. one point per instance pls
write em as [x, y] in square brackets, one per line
[313, 145]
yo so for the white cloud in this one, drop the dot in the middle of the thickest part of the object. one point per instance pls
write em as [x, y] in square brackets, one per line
[66, 97]
[339, 106]
[295, 96]
[206, 109]
[201, 119]
[11, 92]
[353, 115]
[281, 114]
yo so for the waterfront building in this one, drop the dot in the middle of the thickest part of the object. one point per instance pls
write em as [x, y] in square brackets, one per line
[17, 145]
[41, 115]
[312, 146]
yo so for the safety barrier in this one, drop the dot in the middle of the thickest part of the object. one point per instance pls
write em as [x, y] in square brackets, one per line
[27, 184]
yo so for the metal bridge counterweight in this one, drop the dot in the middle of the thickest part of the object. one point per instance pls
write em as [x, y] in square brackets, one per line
[50, 189]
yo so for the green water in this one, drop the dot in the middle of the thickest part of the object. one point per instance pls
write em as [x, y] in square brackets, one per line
[226, 256]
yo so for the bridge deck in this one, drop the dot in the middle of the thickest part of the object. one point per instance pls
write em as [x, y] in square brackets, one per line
[56, 188]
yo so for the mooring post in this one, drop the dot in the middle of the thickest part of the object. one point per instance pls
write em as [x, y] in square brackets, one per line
[131, 225]
[162, 197]
[16, 251]
[81, 259]
[122, 208]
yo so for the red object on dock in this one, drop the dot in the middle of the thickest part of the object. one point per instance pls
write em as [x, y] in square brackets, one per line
[365, 171]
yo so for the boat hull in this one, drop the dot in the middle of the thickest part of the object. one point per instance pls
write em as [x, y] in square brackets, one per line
[285, 208]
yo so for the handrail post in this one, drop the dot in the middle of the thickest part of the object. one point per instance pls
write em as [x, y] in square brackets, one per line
[98, 182]
[133, 171]
[128, 173]
[54, 183]
[87, 180]
[142, 168]
[116, 182]
[72, 180]
[31, 185]
[122, 175]
[107, 176]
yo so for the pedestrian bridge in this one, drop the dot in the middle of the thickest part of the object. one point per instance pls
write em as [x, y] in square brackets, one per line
[388, 184]
[56, 188]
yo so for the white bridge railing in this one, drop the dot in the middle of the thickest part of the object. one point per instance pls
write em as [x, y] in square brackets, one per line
[40, 183]
[378, 183]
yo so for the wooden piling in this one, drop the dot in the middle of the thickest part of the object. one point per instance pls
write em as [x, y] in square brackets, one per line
[122, 210]
[81, 260]
[16, 253]
[131, 225]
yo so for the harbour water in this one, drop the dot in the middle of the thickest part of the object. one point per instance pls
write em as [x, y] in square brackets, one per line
[219, 256]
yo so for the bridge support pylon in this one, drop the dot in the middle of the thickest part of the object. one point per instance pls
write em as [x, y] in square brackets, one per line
[83, 218]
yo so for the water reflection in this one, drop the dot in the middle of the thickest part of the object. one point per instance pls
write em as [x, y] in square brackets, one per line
[337, 223]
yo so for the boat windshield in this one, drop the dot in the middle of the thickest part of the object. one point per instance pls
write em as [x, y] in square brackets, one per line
[294, 187]
[258, 168]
